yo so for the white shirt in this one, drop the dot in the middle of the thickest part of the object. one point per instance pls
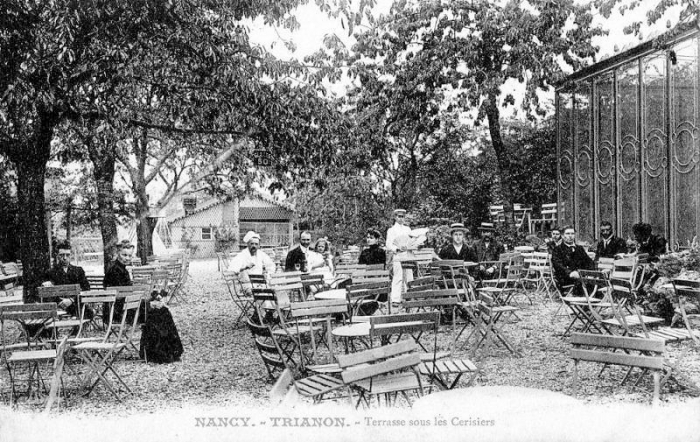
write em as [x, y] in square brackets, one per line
[395, 231]
[262, 264]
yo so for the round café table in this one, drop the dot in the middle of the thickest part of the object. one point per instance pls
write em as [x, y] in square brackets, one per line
[331, 294]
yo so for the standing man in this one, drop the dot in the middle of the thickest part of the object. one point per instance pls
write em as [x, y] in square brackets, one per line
[297, 258]
[567, 259]
[609, 245]
[251, 260]
[63, 273]
[373, 254]
[399, 277]
[457, 249]
[487, 249]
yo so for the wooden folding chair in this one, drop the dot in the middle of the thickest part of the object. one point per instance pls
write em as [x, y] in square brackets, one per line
[101, 356]
[317, 316]
[683, 288]
[487, 326]
[54, 294]
[420, 284]
[391, 328]
[361, 295]
[623, 297]
[174, 286]
[383, 371]
[588, 309]
[97, 300]
[33, 320]
[129, 333]
[243, 301]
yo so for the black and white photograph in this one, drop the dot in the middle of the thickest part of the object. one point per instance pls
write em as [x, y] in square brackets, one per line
[400, 220]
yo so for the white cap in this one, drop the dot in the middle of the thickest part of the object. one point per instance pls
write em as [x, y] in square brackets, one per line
[250, 235]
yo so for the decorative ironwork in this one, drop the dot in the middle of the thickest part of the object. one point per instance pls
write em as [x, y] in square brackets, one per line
[629, 163]
[655, 153]
[606, 162]
[583, 166]
[685, 151]
[565, 170]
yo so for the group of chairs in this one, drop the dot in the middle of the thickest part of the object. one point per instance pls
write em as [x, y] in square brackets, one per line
[39, 340]
[614, 331]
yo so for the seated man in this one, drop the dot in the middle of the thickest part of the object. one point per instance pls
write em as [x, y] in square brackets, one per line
[609, 246]
[251, 260]
[373, 254]
[554, 239]
[297, 258]
[567, 259]
[457, 249]
[63, 273]
[654, 245]
[487, 249]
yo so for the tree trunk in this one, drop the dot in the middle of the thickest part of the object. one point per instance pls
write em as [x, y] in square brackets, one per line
[103, 160]
[68, 214]
[493, 117]
[34, 243]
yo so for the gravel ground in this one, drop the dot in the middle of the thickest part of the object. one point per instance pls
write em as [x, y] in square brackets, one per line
[220, 367]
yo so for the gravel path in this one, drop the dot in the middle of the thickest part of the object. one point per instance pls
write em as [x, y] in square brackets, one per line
[220, 367]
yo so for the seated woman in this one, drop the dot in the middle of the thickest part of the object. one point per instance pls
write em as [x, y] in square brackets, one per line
[321, 259]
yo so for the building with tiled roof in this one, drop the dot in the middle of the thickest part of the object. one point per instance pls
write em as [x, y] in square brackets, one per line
[196, 220]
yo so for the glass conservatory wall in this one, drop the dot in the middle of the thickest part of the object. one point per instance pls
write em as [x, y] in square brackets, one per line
[584, 163]
[628, 149]
[605, 148]
[655, 193]
[684, 141]
[566, 155]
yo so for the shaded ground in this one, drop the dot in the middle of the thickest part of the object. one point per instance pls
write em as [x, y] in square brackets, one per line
[220, 366]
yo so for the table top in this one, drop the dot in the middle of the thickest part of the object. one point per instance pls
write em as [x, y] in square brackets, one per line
[502, 399]
[361, 329]
[331, 294]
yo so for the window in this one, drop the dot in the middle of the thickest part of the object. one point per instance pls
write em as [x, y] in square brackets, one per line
[206, 232]
[189, 204]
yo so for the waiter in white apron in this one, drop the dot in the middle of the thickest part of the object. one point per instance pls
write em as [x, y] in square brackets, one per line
[397, 253]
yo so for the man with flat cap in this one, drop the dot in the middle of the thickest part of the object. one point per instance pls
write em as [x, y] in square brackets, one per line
[251, 260]
[457, 249]
[396, 252]
[487, 249]
[373, 254]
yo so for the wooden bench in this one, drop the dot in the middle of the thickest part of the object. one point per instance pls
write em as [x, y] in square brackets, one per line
[647, 354]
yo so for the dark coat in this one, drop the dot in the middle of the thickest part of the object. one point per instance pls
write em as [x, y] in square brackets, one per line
[615, 245]
[296, 255]
[490, 253]
[566, 259]
[654, 246]
[466, 254]
[72, 275]
[160, 341]
[116, 276]
[372, 255]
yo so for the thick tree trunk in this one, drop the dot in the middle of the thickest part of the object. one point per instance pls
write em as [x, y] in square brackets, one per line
[34, 243]
[103, 160]
[493, 118]
[69, 215]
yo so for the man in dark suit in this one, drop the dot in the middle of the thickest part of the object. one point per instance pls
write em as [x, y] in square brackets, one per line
[63, 273]
[457, 249]
[567, 258]
[297, 257]
[487, 249]
[609, 245]
[653, 245]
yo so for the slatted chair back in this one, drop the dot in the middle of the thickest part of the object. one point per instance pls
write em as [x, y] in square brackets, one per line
[346, 269]
[687, 289]
[363, 276]
[309, 313]
[444, 302]
[624, 268]
[410, 265]
[96, 281]
[412, 324]
[606, 264]
[97, 301]
[647, 354]
[268, 348]
[280, 278]
[160, 280]
[420, 284]
[358, 294]
[36, 314]
[378, 361]
[142, 274]
[57, 292]
[451, 271]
